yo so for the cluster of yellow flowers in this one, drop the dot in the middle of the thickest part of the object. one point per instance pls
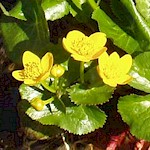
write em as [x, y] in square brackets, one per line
[111, 68]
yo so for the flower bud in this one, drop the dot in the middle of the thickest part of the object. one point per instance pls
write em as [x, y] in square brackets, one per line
[57, 70]
[37, 104]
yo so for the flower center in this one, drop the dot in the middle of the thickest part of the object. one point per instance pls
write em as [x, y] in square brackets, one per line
[111, 71]
[32, 70]
[83, 46]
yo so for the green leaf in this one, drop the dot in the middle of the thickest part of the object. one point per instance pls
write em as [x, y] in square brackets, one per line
[33, 129]
[140, 72]
[119, 37]
[31, 34]
[77, 119]
[28, 92]
[92, 96]
[34, 14]
[135, 111]
[59, 105]
[37, 130]
[82, 11]
[53, 9]
[93, 92]
[130, 20]
[140, 27]
[121, 14]
[143, 8]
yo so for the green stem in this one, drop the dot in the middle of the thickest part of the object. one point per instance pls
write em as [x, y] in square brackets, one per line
[82, 72]
[93, 4]
[56, 80]
[98, 2]
[4, 10]
[48, 100]
[44, 84]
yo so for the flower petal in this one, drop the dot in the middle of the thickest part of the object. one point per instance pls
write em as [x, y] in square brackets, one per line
[99, 39]
[29, 82]
[125, 63]
[98, 53]
[124, 79]
[80, 57]
[18, 75]
[102, 60]
[74, 35]
[71, 37]
[29, 57]
[47, 62]
[67, 45]
[114, 58]
[110, 82]
[45, 76]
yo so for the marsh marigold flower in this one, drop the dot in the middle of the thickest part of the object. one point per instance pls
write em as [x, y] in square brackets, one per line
[35, 69]
[84, 48]
[113, 69]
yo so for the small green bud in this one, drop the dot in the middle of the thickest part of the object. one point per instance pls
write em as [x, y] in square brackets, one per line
[57, 70]
[37, 104]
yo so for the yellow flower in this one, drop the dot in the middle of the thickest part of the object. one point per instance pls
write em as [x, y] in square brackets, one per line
[84, 48]
[113, 69]
[57, 71]
[35, 70]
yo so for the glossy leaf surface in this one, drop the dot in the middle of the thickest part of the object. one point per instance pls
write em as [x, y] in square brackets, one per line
[31, 34]
[53, 9]
[119, 37]
[140, 72]
[77, 119]
[135, 111]
[144, 9]
[92, 96]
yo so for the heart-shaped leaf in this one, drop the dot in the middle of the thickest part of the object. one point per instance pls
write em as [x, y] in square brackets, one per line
[77, 119]
[92, 96]
[135, 111]
[140, 72]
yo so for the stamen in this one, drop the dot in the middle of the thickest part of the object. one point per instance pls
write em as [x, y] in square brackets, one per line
[83, 46]
[111, 71]
[32, 70]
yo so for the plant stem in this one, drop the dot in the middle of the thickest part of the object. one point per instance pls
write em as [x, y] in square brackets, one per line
[92, 4]
[82, 72]
[48, 100]
[56, 80]
[98, 2]
[44, 84]
[4, 10]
